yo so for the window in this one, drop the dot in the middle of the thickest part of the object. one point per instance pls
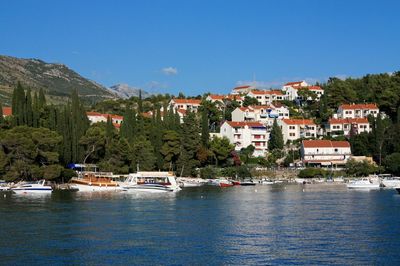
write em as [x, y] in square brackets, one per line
[336, 150]
[292, 134]
[292, 127]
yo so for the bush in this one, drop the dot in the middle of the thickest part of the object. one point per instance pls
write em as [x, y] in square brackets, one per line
[313, 173]
[208, 173]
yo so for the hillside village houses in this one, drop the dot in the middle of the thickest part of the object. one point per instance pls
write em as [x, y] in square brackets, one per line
[185, 104]
[265, 97]
[243, 134]
[221, 99]
[260, 113]
[294, 129]
[242, 90]
[357, 110]
[325, 152]
[95, 117]
[292, 88]
[345, 126]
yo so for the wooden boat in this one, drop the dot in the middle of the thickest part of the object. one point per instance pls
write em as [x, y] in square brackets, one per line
[94, 181]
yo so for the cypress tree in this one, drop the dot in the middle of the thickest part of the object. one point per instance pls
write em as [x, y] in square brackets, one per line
[276, 137]
[205, 130]
[42, 99]
[190, 144]
[127, 130]
[109, 130]
[36, 113]
[28, 109]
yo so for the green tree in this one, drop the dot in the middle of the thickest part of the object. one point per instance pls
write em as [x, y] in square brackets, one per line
[391, 163]
[205, 130]
[1, 114]
[249, 101]
[170, 148]
[221, 148]
[363, 168]
[142, 155]
[276, 137]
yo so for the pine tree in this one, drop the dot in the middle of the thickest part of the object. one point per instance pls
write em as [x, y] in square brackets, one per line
[276, 137]
[142, 155]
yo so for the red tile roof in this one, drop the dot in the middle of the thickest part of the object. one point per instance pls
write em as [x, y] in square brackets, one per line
[182, 111]
[216, 97]
[359, 106]
[325, 144]
[298, 122]
[314, 88]
[7, 111]
[242, 87]
[348, 121]
[233, 97]
[295, 83]
[118, 117]
[187, 101]
[243, 124]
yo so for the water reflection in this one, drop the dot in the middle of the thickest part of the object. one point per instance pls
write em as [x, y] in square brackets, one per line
[279, 224]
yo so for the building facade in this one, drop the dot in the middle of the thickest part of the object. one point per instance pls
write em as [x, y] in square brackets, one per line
[357, 110]
[185, 104]
[243, 134]
[294, 129]
[325, 152]
[346, 126]
[267, 97]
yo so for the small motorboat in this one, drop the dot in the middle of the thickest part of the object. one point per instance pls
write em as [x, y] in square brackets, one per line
[220, 183]
[247, 182]
[186, 182]
[364, 183]
[390, 181]
[32, 187]
[266, 181]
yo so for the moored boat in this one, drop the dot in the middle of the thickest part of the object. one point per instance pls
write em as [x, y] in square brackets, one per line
[365, 183]
[390, 181]
[220, 183]
[151, 182]
[247, 182]
[94, 181]
[186, 182]
[32, 187]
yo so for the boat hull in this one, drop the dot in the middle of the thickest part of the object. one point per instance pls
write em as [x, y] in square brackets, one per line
[89, 188]
[32, 190]
[391, 183]
[355, 186]
[150, 188]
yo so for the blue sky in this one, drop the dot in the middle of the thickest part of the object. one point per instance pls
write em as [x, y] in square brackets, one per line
[199, 46]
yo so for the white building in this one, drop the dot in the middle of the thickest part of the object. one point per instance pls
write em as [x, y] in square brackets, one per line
[357, 110]
[292, 90]
[185, 104]
[325, 152]
[293, 129]
[95, 117]
[242, 90]
[266, 97]
[343, 126]
[221, 100]
[260, 113]
[243, 134]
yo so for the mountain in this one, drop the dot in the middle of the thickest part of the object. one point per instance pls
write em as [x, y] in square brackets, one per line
[125, 91]
[57, 80]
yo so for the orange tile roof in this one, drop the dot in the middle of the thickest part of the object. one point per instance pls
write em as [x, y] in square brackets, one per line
[182, 111]
[187, 101]
[359, 106]
[325, 144]
[242, 87]
[243, 124]
[216, 97]
[262, 107]
[298, 122]
[233, 97]
[7, 111]
[314, 88]
[295, 83]
[348, 121]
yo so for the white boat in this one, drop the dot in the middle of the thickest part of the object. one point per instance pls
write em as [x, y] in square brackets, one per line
[365, 183]
[93, 182]
[150, 182]
[32, 187]
[390, 181]
[266, 182]
[186, 182]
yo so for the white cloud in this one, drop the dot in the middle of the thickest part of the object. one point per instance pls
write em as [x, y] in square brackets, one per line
[169, 71]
